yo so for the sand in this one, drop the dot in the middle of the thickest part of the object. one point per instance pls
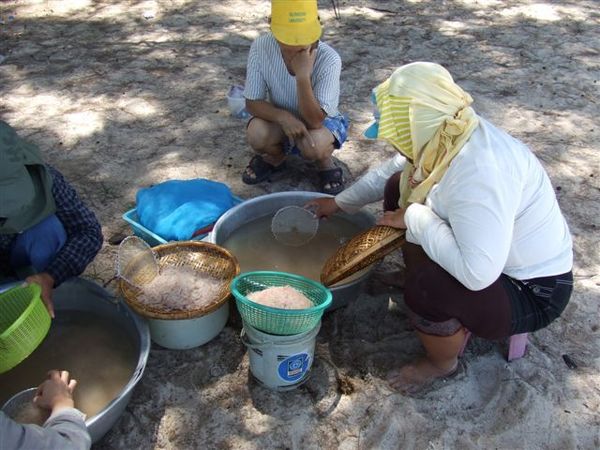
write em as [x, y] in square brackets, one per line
[121, 95]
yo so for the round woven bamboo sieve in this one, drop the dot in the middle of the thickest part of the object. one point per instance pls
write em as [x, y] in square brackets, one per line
[361, 251]
[203, 257]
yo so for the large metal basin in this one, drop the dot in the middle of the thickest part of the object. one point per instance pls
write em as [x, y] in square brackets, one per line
[82, 295]
[264, 205]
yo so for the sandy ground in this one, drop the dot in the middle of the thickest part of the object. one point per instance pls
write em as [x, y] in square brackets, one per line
[123, 94]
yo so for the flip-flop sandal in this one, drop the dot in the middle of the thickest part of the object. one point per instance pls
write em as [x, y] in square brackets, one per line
[331, 181]
[262, 170]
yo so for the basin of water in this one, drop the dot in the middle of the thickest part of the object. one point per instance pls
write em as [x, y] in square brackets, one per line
[99, 341]
[245, 231]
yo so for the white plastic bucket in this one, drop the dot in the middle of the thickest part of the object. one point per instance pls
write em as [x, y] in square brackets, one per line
[237, 102]
[280, 362]
[188, 333]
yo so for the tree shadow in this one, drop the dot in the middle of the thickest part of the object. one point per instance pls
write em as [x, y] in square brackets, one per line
[119, 97]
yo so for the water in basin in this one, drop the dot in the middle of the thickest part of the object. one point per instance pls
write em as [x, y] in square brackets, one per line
[97, 353]
[255, 247]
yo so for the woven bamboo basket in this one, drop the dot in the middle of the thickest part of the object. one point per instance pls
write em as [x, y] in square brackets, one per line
[203, 257]
[361, 251]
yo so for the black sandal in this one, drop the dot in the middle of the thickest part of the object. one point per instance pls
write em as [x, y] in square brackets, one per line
[262, 170]
[334, 178]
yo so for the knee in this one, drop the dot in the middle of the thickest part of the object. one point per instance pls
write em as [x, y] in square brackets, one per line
[257, 133]
[323, 145]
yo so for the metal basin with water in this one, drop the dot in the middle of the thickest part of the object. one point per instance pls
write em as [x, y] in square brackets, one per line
[264, 205]
[81, 295]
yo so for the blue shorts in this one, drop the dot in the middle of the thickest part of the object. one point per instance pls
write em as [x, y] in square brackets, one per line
[338, 126]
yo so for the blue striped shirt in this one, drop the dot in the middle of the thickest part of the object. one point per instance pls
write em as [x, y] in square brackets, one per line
[268, 79]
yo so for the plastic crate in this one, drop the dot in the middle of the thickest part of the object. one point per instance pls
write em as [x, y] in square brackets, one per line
[154, 239]
[141, 231]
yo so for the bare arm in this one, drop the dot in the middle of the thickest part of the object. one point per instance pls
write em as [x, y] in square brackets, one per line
[266, 111]
[65, 429]
[293, 127]
[310, 110]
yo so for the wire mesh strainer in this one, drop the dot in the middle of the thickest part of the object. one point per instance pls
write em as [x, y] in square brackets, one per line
[137, 263]
[294, 225]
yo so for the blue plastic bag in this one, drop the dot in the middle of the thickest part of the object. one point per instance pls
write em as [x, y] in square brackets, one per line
[177, 209]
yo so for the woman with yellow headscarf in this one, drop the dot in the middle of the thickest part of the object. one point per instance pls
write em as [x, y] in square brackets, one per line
[488, 249]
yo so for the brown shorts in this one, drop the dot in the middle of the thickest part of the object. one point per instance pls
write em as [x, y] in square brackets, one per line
[440, 304]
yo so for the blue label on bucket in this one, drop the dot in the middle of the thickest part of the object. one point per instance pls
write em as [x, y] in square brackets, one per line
[294, 367]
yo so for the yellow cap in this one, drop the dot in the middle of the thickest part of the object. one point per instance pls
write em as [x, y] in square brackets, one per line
[295, 22]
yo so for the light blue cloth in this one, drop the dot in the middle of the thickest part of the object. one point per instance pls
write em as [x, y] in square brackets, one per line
[176, 209]
[373, 130]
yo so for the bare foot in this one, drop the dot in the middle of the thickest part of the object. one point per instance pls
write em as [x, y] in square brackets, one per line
[418, 374]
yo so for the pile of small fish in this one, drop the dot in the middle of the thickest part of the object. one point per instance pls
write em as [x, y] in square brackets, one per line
[179, 289]
[285, 297]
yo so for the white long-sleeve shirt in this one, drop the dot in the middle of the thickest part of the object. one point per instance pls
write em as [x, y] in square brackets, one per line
[494, 211]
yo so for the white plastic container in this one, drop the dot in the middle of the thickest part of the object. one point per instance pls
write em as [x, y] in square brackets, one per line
[237, 103]
[280, 362]
[181, 334]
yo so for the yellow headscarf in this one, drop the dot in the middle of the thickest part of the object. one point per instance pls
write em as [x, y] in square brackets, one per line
[427, 117]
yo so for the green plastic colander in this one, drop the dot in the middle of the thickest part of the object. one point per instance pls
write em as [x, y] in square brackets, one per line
[277, 320]
[24, 323]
